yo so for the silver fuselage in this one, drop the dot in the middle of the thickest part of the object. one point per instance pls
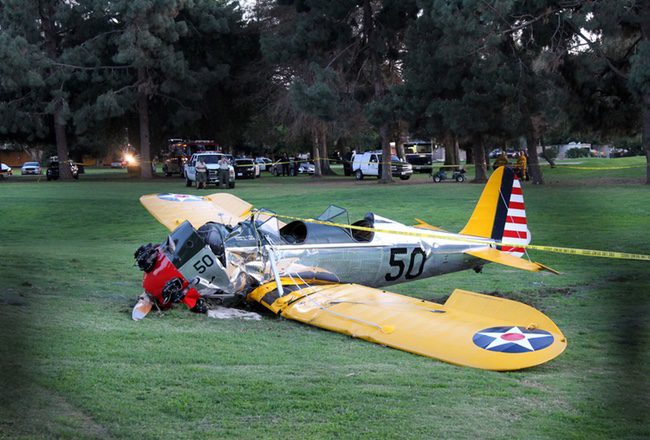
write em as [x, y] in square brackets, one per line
[388, 259]
[395, 253]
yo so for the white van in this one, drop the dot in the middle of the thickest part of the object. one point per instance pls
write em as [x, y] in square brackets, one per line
[370, 164]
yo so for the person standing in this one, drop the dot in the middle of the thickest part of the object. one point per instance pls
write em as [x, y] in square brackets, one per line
[201, 173]
[224, 175]
[522, 165]
[285, 165]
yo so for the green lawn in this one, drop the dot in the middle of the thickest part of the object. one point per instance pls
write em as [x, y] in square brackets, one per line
[74, 365]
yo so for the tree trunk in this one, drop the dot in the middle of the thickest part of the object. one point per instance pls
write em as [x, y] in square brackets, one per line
[534, 169]
[480, 165]
[51, 38]
[143, 113]
[325, 168]
[452, 154]
[469, 149]
[65, 173]
[379, 87]
[645, 97]
[550, 161]
[386, 176]
[645, 115]
[316, 153]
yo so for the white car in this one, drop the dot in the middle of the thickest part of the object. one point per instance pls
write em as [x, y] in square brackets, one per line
[211, 159]
[30, 168]
[264, 163]
[306, 168]
[5, 170]
[370, 164]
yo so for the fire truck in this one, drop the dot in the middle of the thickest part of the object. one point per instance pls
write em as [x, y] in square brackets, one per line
[179, 152]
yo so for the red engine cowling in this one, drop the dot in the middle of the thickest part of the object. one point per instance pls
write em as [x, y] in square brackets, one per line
[157, 279]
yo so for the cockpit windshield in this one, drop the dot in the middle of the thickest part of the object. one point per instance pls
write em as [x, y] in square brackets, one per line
[335, 214]
[268, 225]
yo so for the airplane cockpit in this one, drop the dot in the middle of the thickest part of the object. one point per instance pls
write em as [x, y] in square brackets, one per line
[301, 232]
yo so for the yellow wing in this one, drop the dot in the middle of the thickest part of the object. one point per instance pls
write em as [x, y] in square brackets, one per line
[470, 329]
[497, 256]
[173, 209]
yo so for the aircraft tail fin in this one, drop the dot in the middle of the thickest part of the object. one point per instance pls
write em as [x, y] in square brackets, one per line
[500, 213]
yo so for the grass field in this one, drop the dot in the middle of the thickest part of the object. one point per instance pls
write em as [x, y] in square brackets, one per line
[74, 365]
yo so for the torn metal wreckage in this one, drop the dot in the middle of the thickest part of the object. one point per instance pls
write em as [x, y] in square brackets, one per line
[328, 272]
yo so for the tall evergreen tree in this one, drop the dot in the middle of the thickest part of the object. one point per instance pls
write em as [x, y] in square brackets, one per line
[346, 51]
[40, 44]
[616, 36]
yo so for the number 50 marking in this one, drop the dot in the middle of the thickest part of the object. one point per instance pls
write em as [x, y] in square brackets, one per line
[399, 264]
[202, 264]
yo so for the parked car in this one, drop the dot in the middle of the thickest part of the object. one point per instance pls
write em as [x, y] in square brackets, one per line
[246, 169]
[276, 168]
[211, 160]
[30, 168]
[264, 163]
[52, 172]
[510, 153]
[5, 170]
[370, 163]
[306, 168]
[118, 164]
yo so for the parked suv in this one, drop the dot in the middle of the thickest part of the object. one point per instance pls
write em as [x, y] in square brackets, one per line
[246, 168]
[211, 160]
[52, 172]
[370, 164]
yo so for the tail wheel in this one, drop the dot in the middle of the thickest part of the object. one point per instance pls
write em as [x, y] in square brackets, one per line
[358, 175]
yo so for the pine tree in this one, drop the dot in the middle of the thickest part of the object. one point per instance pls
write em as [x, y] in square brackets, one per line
[40, 63]
[347, 53]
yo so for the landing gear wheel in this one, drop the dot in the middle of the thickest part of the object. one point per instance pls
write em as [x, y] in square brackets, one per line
[358, 175]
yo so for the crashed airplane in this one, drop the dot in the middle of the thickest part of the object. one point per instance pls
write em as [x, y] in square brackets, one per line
[329, 273]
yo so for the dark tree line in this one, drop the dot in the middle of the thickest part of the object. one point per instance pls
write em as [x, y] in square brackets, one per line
[337, 74]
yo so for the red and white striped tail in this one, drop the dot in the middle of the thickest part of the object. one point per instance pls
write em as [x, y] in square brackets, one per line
[516, 230]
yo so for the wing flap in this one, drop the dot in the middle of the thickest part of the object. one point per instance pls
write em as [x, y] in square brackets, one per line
[497, 256]
[173, 209]
[470, 329]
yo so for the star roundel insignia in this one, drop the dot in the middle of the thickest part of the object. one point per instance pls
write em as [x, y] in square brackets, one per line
[179, 198]
[512, 339]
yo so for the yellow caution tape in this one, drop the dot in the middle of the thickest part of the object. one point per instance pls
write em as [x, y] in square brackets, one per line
[466, 239]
